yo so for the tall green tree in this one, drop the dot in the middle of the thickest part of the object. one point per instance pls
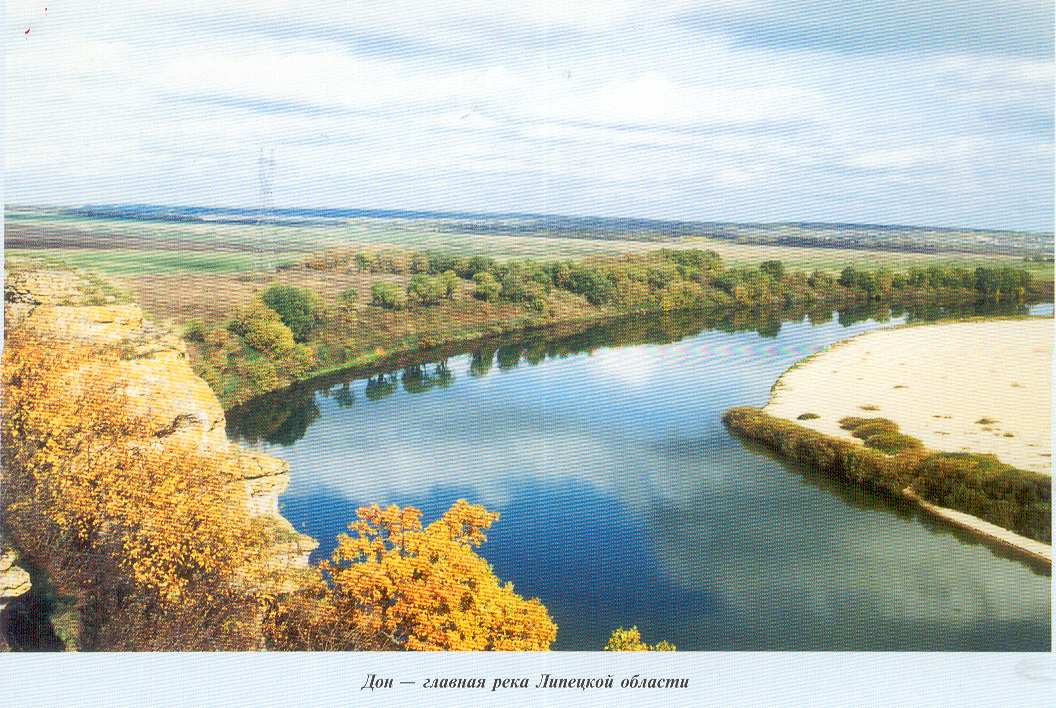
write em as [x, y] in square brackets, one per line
[386, 295]
[295, 308]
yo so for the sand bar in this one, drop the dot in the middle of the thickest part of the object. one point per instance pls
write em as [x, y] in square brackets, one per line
[983, 386]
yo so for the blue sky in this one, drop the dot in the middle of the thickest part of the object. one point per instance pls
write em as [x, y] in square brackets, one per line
[913, 112]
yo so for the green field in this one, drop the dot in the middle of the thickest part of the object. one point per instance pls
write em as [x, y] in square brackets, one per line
[125, 261]
[119, 247]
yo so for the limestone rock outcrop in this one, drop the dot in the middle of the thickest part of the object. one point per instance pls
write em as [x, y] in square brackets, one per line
[46, 287]
[178, 407]
[14, 580]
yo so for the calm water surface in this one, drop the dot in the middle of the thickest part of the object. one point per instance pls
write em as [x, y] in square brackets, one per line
[624, 500]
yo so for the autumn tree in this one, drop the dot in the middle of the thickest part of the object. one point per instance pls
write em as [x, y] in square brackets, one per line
[146, 539]
[631, 640]
[398, 585]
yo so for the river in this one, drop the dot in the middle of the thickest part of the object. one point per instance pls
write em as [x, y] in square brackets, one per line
[624, 501]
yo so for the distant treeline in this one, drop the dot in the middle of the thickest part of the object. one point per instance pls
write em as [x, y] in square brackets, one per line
[674, 279]
[422, 301]
[671, 279]
[980, 485]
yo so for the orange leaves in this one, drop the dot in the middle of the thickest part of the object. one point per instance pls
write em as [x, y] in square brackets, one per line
[85, 480]
[427, 590]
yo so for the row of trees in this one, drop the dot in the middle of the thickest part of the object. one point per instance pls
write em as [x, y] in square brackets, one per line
[422, 290]
[281, 337]
[686, 279]
[992, 283]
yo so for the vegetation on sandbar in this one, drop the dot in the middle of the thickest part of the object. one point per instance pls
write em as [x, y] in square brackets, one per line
[977, 484]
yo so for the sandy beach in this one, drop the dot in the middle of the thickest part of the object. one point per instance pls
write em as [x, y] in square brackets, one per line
[983, 387]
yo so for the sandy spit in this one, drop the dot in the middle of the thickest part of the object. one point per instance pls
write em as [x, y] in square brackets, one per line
[983, 387]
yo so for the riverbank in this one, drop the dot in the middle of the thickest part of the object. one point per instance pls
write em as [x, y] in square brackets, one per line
[975, 396]
[354, 309]
[977, 386]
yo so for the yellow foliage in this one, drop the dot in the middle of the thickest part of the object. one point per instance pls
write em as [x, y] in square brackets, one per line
[93, 495]
[631, 640]
[151, 538]
[426, 589]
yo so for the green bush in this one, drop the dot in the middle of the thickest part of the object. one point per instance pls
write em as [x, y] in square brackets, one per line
[294, 306]
[269, 337]
[386, 295]
[983, 486]
[262, 373]
[196, 332]
[296, 361]
[807, 416]
[249, 314]
[874, 427]
[349, 297]
[425, 289]
[851, 423]
[450, 283]
[775, 269]
[892, 443]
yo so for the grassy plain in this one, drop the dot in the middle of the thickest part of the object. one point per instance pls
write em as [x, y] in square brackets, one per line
[118, 247]
[126, 261]
[196, 276]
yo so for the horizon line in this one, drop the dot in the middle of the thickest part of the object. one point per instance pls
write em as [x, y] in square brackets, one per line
[585, 217]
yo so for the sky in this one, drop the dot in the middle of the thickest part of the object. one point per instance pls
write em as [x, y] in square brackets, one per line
[917, 112]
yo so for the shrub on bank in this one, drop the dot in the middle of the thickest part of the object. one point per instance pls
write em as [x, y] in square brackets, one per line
[295, 308]
[851, 422]
[195, 331]
[983, 486]
[979, 485]
[876, 427]
[269, 337]
[891, 443]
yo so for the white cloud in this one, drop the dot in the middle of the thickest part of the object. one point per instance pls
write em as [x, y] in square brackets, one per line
[631, 110]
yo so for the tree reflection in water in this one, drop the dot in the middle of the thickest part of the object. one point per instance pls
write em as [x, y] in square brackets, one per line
[282, 417]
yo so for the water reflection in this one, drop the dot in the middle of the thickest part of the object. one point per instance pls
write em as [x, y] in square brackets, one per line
[624, 501]
[380, 386]
[279, 418]
[284, 415]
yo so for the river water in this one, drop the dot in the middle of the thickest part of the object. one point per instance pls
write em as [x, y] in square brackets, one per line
[624, 500]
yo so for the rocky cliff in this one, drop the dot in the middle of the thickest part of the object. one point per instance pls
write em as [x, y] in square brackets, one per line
[178, 408]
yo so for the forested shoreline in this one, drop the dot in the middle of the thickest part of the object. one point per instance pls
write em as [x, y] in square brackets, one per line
[412, 302]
